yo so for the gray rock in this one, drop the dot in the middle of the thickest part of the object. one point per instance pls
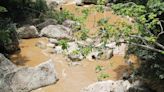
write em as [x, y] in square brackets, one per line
[93, 1]
[117, 50]
[46, 23]
[79, 2]
[50, 45]
[55, 3]
[74, 63]
[72, 46]
[69, 23]
[89, 41]
[107, 54]
[56, 31]
[6, 66]
[111, 45]
[120, 50]
[52, 4]
[53, 41]
[25, 79]
[75, 57]
[108, 86]
[93, 55]
[74, 25]
[58, 49]
[27, 32]
[82, 43]
[139, 86]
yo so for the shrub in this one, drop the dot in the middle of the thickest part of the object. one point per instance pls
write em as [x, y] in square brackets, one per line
[8, 37]
[63, 43]
[60, 16]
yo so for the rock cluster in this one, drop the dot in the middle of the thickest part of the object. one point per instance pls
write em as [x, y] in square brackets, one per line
[62, 40]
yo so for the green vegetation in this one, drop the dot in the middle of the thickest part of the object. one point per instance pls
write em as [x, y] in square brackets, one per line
[75, 52]
[130, 9]
[82, 34]
[60, 16]
[102, 2]
[63, 43]
[86, 50]
[147, 41]
[99, 68]
[103, 76]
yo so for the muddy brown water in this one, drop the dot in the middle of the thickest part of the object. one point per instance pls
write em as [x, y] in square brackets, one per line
[71, 78]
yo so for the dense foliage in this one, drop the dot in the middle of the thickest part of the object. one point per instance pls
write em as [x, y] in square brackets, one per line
[23, 10]
[147, 43]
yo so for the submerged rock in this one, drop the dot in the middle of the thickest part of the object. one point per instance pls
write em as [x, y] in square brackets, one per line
[26, 32]
[25, 79]
[56, 31]
[41, 44]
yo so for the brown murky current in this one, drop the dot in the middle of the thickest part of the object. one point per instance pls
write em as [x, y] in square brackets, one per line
[71, 78]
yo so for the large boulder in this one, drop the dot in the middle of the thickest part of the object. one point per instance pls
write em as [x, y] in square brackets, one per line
[56, 31]
[25, 79]
[108, 86]
[27, 32]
